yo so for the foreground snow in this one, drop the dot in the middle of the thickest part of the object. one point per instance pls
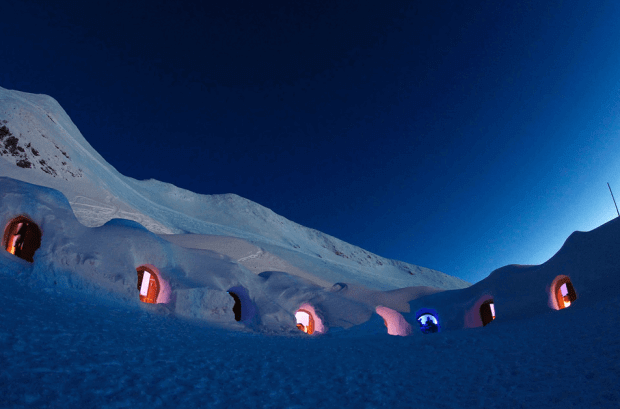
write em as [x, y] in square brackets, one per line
[75, 353]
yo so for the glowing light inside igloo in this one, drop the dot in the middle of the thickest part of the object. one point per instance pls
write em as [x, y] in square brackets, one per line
[487, 312]
[564, 292]
[22, 238]
[428, 324]
[308, 321]
[152, 288]
[305, 322]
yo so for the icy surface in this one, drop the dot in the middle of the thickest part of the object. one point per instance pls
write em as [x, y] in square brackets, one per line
[75, 353]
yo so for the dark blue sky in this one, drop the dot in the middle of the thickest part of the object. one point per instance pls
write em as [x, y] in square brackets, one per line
[460, 137]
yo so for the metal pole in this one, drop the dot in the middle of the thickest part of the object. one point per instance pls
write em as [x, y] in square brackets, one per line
[612, 196]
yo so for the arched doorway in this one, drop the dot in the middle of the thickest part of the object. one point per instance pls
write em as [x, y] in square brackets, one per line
[305, 321]
[148, 285]
[22, 237]
[237, 307]
[487, 312]
[394, 321]
[564, 292]
[428, 323]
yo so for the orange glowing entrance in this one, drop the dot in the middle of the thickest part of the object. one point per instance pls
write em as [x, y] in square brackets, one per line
[148, 285]
[22, 237]
[564, 293]
[487, 312]
[305, 321]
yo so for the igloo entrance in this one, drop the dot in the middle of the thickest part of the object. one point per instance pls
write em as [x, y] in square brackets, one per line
[308, 321]
[564, 292]
[22, 237]
[305, 321]
[148, 285]
[428, 324]
[237, 307]
[244, 309]
[487, 312]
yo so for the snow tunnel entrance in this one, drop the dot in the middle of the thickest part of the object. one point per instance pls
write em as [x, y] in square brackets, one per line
[564, 293]
[237, 307]
[487, 312]
[428, 324]
[148, 285]
[305, 321]
[22, 237]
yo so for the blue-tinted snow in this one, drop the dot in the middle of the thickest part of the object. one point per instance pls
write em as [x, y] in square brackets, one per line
[97, 192]
[73, 334]
[59, 351]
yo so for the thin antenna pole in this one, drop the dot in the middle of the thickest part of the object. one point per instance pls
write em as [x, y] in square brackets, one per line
[612, 196]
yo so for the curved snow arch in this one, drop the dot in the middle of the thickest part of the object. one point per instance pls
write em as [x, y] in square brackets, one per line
[422, 316]
[474, 317]
[244, 308]
[156, 290]
[394, 321]
[313, 323]
[561, 292]
[22, 237]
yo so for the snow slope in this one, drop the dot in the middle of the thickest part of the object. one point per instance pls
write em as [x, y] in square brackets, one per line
[41, 145]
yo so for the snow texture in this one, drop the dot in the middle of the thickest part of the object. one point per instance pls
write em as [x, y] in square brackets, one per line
[98, 193]
[76, 335]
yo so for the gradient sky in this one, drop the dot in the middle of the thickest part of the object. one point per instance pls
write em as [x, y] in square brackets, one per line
[459, 136]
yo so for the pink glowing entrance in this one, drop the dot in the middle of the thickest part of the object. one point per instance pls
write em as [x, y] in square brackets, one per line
[307, 320]
[394, 321]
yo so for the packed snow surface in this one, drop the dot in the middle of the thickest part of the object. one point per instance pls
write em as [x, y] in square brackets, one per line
[60, 352]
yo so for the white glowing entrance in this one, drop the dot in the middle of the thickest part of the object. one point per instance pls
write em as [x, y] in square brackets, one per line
[146, 279]
[305, 322]
[564, 295]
